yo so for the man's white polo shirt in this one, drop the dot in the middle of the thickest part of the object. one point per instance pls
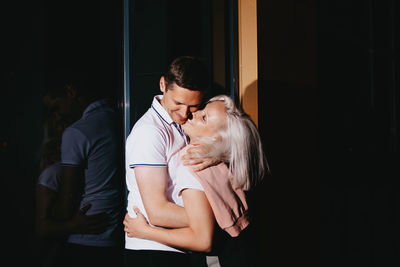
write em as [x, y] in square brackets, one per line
[154, 141]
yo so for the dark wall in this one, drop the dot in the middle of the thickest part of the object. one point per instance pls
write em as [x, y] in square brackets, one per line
[20, 117]
[329, 116]
[86, 37]
[359, 80]
[288, 110]
[41, 39]
[161, 31]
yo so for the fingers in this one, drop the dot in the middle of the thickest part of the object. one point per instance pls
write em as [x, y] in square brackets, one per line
[192, 162]
[129, 234]
[200, 167]
[133, 226]
[126, 225]
[129, 218]
[190, 152]
[126, 219]
[136, 210]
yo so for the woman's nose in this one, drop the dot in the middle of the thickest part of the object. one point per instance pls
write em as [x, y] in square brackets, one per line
[195, 114]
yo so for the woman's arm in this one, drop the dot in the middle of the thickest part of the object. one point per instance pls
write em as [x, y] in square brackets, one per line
[197, 236]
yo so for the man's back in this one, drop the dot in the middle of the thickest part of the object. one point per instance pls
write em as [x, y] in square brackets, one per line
[93, 143]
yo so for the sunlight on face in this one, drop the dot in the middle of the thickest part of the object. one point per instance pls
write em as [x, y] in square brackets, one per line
[206, 122]
[180, 102]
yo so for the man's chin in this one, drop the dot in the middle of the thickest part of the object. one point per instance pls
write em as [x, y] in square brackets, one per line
[180, 122]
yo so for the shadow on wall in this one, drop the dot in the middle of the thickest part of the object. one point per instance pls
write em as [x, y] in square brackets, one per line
[287, 125]
[249, 98]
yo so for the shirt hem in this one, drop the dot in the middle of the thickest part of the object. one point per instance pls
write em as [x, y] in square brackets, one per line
[94, 243]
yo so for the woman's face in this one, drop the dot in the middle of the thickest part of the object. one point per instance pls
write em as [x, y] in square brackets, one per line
[206, 122]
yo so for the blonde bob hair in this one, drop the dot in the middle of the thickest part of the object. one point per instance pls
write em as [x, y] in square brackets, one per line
[237, 143]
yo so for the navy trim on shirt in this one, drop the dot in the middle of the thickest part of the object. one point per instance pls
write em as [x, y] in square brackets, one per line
[149, 165]
[159, 114]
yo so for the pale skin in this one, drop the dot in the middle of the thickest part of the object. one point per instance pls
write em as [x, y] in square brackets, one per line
[197, 235]
[180, 103]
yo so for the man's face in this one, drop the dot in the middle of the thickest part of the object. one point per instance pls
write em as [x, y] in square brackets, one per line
[180, 102]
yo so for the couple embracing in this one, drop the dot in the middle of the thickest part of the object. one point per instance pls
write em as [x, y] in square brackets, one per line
[188, 165]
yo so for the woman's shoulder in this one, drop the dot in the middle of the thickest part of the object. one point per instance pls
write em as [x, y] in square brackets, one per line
[183, 171]
[50, 177]
[186, 178]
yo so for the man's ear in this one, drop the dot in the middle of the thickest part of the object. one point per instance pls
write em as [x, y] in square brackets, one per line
[70, 91]
[162, 84]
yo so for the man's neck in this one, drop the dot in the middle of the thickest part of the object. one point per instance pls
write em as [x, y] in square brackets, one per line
[161, 101]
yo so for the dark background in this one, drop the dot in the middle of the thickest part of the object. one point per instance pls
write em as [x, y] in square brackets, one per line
[328, 113]
[358, 74]
[40, 40]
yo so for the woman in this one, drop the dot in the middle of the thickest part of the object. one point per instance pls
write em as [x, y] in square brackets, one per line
[220, 131]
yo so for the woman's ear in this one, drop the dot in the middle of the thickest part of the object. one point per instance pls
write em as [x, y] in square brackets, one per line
[162, 84]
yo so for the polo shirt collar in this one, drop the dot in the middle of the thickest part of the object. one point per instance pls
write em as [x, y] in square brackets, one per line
[94, 106]
[159, 109]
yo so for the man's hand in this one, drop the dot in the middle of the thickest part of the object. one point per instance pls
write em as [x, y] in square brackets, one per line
[193, 157]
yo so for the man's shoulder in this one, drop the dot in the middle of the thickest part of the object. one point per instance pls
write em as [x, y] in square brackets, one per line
[148, 129]
[78, 125]
[75, 130]
[150, 122]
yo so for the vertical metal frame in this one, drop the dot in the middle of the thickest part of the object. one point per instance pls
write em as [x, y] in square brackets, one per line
[127, 68]
[231, 49]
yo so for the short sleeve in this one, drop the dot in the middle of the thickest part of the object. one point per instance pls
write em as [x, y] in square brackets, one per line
[186, 180]
[146, 146]
[50, 177]
[74, 148]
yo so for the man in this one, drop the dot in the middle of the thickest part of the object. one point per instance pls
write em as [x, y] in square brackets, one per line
[91, 173]
[154, 139]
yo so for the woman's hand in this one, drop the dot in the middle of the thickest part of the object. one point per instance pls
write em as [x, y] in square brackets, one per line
[136, 227]
[193, 157]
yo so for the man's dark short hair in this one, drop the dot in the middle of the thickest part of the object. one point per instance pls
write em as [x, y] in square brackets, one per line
[189, 73]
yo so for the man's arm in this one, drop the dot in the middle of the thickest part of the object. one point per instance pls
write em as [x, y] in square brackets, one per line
[152, 183]
[69, 195]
